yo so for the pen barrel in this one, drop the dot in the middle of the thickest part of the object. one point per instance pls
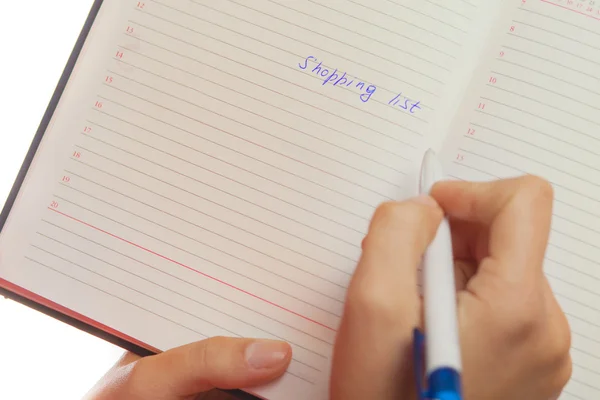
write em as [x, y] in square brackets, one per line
[441, 326]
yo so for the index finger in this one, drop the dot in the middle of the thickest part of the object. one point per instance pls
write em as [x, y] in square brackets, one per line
[517, 211]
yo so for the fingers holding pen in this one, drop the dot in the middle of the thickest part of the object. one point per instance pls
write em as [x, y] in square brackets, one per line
[515, 212]
[383, 305]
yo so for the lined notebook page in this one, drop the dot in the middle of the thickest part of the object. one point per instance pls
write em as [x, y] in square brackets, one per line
[539, 113]
[224, 171]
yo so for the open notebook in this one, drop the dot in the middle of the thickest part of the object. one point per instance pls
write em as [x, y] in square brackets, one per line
[210, 167]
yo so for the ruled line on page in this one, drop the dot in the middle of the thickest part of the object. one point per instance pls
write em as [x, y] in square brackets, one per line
[279, 93]
[536, 145]
[583, 351]
[582, 335]
[502, 118]
[320, 139]
[531, 69]
[530, 158]
[271, 90]
[395, 62]
[361, 217]
[291, 158]
[125, 270]
[556, 48]
[234, 272]
[207, 229]
[282, 50]
[587, 274]
[361, 110]
[578, 287]
[412, 39]
[300, 57]
[229, 332]
[120, 298]
[588, 369]
[582, 304]
[585, 383]
[220, 160]
[493, 176]
[395, 18]
[525, 172]
[207, 184]
[395, 184]
[570, 9]
[468, 3]
[70, 172]
[545, 88]
[222, 191]
[187, 282]
[143, 309]
[437, 20]
[448, 9]
[261, 116]
[591, 136]
[563, 36]
[572, 394]
[322, 263]
[553, 244]
[577, 223]
[330, 23]
[347, 135]
[380, 27]
[207, 245]
[475, 169]
[595, 262]
[539, 14]
[496, 87]
[558, 200]
[193, 270]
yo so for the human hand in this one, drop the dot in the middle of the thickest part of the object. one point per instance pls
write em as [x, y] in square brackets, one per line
[515, 339]
[185, 372]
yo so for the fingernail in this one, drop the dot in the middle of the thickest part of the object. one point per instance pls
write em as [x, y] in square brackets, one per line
[424, 199]
[266, 354]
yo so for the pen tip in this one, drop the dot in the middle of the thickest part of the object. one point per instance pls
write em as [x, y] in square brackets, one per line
[430, 153]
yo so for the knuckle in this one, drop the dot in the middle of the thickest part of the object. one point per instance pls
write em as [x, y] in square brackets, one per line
[521, 320]
[368, 305]
[537, 189]
[563, 343]
[564, 373]
[399, 214]
[558, 349]
[204, 354]
[135, 374]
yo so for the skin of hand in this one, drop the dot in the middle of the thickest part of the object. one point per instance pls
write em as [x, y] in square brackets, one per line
[515, 339]
[185, 372]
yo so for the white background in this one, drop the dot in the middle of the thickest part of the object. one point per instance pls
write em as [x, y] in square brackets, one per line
[40, 358]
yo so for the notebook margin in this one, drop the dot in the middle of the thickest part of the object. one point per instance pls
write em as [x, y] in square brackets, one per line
[16, 188]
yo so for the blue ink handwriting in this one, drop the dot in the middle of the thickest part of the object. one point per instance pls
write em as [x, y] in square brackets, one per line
[342, 80]
[366, 90]
[405, 103]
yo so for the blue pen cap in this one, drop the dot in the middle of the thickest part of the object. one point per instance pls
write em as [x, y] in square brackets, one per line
[444, 384]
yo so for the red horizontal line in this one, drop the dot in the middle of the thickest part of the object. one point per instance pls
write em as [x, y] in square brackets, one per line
[570, 9]
[192, 269]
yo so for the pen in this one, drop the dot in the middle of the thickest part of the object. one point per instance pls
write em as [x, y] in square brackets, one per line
[441, 340]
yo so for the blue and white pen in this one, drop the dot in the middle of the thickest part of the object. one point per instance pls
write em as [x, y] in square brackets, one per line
[441, 343]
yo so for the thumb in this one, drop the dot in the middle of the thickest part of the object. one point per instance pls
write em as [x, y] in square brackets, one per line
[224, 363]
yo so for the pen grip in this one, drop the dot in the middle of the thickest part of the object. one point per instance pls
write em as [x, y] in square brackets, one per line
[441, 326]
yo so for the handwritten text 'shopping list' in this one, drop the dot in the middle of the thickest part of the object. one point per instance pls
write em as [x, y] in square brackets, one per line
[337, 78]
